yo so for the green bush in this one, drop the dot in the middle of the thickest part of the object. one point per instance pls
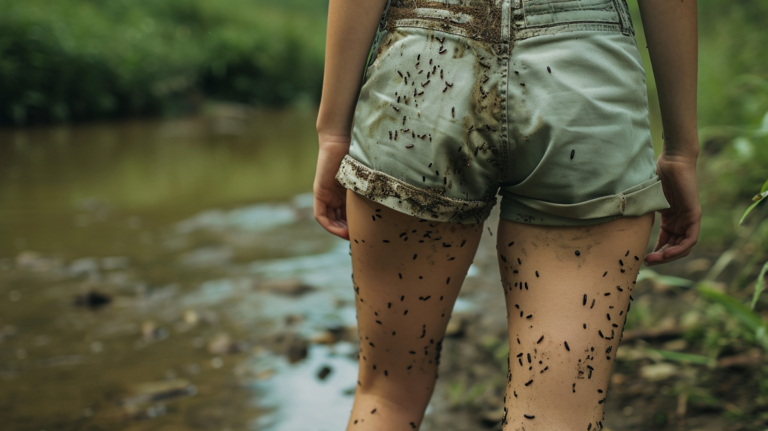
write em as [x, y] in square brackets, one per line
[90, 59]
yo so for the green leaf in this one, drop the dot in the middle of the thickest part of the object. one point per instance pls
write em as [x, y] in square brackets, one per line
[685, 357]
[759, 286]
[738, 310]
[664, 279]
[748, 210]
[765, 187]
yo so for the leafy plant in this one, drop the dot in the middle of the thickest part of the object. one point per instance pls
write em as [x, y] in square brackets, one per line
[757, 327]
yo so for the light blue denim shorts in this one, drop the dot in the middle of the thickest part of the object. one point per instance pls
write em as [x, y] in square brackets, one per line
[540, 101]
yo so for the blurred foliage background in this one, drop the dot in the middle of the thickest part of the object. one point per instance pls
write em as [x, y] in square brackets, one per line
[92, 59]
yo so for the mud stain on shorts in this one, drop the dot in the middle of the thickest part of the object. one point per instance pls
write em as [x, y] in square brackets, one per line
[430, 203]
[477, 19]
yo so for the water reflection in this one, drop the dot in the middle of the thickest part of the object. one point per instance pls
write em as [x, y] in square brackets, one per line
[68, 188]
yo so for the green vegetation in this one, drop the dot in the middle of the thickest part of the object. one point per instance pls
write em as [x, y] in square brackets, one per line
[91, 59]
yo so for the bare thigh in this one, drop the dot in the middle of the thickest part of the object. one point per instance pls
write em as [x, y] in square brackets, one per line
[407, 273]
[567, 293]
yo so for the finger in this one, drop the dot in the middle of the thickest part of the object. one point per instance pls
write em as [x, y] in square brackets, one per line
[674, 252]
[661, 242]
[655, 257]
[321, 213]
[334, 227]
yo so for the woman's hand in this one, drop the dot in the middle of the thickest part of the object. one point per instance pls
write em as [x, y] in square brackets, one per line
[681, 222]
[330, 196]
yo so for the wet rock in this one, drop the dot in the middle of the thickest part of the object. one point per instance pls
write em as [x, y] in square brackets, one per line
[223, 343]
[456, 326]
[325, 337]
[332, 335]
[293, 318]
[191, 318]
[151, 332]
[33, 261]
[289, 344]
[84, 266]
[92, 300]
[658, 372]
[153, 392]
[114, 262]
[289, 287]
[323, 372]
[491, 417]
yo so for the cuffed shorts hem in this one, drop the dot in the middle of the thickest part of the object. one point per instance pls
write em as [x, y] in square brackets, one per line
[641, 199]
[403, 197]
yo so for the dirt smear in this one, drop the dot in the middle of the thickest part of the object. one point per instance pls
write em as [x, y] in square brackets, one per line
[485, 23]
[426, 204]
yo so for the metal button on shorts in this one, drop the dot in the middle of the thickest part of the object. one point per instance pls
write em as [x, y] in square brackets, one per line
[541, 101]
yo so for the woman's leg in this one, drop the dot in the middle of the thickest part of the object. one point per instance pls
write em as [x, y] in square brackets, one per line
[407, 273]
[568, 292]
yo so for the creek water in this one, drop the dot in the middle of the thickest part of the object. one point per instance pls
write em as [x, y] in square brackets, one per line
[141, 265]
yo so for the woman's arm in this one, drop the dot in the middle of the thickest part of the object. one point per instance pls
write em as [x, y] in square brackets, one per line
[671, 29]
[351, 27]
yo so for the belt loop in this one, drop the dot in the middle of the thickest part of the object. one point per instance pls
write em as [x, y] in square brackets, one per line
[506, 14]
[626, 20]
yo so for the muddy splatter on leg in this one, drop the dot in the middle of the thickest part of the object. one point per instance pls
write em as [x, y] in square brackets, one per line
[567, 292]
[407, 273]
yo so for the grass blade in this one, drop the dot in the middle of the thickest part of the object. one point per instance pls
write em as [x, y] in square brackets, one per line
[664, 279]
[759, 286]
[685, 357]
[748, 210]
[738, 310]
